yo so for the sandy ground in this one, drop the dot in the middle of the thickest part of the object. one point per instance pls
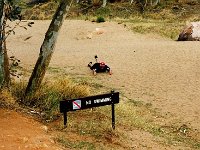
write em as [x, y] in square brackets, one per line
[148, 68]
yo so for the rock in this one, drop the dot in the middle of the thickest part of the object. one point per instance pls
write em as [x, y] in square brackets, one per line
[45, 128]
[191, 32]
[99, 31]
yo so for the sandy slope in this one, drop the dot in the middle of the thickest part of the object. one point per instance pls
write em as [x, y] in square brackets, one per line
[155, 70]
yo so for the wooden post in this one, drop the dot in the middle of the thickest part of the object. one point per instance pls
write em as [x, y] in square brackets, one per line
[113, 116]
[65, 119]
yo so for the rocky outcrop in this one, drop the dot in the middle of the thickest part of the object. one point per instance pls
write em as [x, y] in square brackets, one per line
[191, 32]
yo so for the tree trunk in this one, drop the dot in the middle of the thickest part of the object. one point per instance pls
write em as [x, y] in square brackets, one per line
[104, 3]
[6, 60]
[47, 48]
[156, 2]
[2, 74]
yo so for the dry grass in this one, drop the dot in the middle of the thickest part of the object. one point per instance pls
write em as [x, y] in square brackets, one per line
[40, 12]
[6, 97]
[87, 127]
[92, 126]
[50, 93]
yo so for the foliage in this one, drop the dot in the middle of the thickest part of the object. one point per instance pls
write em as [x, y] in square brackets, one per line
[172, 14]
[104, 11]
[40, 12]
[134, 113]
[49, 94]
[12, 11]
[100, 19]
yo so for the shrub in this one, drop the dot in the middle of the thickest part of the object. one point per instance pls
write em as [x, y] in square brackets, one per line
[100, 19]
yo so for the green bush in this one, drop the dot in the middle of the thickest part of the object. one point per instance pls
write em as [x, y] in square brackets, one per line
[100, 19]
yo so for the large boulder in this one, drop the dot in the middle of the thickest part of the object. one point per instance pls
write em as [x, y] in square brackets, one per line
[191, 32]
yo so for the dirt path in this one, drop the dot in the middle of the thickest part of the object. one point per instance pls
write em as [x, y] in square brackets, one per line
[151, 69]
[20, 132]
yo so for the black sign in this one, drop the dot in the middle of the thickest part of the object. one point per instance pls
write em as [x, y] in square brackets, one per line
[89, 102]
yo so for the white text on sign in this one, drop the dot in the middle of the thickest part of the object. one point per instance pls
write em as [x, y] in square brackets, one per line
[96, 101]
[102, 100]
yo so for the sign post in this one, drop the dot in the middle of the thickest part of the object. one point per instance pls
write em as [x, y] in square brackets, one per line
[65, 118]
[90, 102]
[113, 116]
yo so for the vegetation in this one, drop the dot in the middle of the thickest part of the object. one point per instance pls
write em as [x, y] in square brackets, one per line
[47, 97]
[85, 127]
[166, 19]
[100, 19]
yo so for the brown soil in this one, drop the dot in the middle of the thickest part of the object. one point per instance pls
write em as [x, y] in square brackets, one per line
[148, 68]
[22, 132]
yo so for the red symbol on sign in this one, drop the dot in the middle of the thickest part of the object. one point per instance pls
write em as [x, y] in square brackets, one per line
[77, 104]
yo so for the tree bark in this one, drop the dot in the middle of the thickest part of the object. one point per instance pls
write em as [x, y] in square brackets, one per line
[156, 2]
[2, 74]
[47, 49]
[104, 3]
[6, 60]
